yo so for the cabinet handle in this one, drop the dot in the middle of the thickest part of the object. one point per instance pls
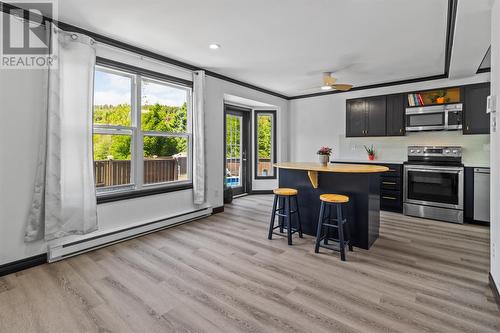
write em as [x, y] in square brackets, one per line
[390, 198]
[392, 170]
[389, 183]
[400, 130]
[467, 127]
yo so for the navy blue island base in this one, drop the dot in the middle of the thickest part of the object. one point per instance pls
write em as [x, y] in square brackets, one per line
[362, 211]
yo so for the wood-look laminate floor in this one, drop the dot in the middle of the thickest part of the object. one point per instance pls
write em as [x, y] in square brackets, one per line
[221, 274]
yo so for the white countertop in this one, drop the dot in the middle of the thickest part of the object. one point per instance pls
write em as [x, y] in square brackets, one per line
[476, 165]
[366, 161]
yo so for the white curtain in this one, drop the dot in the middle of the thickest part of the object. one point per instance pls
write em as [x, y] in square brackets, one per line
[64, 201]
[199, 137]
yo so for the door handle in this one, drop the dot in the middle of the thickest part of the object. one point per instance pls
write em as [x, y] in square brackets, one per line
[389, 183]
[390, 198]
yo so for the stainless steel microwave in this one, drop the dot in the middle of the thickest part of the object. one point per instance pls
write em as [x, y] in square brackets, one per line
[434, 118]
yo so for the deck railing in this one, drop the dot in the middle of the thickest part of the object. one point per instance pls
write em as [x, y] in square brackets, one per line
[156, 170]
[233, 165]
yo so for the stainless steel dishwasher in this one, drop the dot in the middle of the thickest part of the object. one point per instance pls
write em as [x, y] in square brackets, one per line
[482, 194]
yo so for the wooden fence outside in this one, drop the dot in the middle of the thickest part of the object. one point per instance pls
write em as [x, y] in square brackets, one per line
[156, 170]
[234, 166]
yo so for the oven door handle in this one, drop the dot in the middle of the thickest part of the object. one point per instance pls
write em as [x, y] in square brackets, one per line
[457, 171]
[417, 111]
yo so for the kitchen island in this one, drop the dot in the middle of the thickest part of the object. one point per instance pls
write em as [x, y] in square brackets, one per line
[359, 181]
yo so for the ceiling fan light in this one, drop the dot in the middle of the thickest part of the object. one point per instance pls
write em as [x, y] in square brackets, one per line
[326, 88]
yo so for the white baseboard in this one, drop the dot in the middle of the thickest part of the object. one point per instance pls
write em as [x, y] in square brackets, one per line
[70, 249]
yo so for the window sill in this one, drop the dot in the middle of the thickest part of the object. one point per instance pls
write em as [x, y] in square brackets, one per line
[265, 177]
[126, 195]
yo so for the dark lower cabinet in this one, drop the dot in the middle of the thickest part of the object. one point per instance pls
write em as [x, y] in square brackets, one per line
[476, 120]
[391, 187]
[395, 115]
[468, 194]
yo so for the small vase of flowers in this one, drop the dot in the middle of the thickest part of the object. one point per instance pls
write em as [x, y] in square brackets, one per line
[324, 155]
[371, 152]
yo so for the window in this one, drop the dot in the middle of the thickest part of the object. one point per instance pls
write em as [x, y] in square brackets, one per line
[142, 132]
[265, 144]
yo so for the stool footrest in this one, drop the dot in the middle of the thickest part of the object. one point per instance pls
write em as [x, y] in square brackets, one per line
[334, 246]
[284, 227]
[284, 234]
[284, 215]
[333, 225]
[334, 220]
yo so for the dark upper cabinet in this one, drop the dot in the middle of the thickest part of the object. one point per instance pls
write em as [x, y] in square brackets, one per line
[375, 116]
[355, 117]
[395, 115]
[476, 120]
[366, 117]
[385, 115]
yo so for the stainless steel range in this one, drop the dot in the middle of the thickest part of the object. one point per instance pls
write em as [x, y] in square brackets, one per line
[434, 183]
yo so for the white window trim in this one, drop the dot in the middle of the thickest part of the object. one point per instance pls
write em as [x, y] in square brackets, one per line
[137, 135]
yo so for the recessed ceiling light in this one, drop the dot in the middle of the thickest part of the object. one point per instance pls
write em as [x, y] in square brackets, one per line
[326, 88]
[214, 46]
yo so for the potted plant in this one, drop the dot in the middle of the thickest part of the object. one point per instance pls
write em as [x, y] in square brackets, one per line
[440, 97]
[324, 155]
[371, 152]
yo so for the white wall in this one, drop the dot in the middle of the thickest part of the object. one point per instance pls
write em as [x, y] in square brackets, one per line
[495, 146]
[216, 89]
[21, 93]
[21, 96]
[320, 121]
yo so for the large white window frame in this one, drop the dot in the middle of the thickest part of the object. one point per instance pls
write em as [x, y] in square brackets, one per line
[137, 135]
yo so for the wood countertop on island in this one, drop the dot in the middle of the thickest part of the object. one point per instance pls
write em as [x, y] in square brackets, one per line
[350, 168]
[313, 169]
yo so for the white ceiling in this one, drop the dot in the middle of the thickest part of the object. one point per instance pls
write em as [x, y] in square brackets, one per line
[281, 45]
[245, 102]
[472, 37]
[486, 63]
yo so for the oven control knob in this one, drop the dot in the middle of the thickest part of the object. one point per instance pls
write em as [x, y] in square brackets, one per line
[447, 151]
[418, 151]
[455, 151]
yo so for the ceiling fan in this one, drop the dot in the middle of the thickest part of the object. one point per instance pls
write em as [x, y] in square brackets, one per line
[330, 83]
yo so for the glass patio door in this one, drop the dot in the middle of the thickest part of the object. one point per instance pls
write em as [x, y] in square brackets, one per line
[236, 163]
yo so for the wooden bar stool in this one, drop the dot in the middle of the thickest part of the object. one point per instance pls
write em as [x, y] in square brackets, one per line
[336, 201]
[281, 207]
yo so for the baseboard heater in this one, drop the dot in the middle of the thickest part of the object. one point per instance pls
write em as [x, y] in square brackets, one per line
[63, 251]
